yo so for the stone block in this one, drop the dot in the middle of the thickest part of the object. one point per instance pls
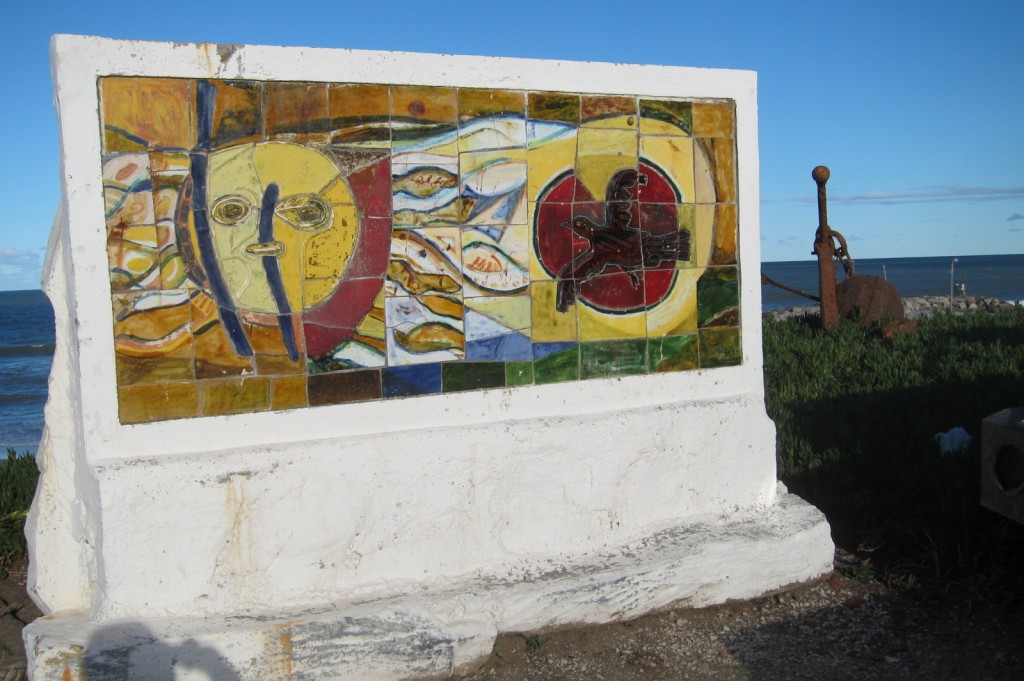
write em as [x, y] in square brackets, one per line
[1002, 463]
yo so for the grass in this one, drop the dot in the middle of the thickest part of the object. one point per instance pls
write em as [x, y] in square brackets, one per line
[857, 414]
[18, 477]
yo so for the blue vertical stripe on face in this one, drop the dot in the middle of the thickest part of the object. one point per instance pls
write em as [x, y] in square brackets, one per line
[273, 271]
[218, 287]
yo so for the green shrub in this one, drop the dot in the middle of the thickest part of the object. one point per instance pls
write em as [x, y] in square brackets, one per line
[18, 476]
[857, 416]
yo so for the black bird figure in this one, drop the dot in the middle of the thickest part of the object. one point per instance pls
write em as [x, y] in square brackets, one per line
[617, 243]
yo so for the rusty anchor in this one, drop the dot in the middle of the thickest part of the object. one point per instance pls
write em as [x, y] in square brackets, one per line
[866, 298]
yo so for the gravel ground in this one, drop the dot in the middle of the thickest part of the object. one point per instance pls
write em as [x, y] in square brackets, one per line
[836, 629]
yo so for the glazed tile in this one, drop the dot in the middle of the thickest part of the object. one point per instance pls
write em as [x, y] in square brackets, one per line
[424, 329]
[297, 112]
[673, 156]
[721, 153]
[672, 353]
[427, 260]
[550, 169]
[345, 386]
[725, 235]
[425, 191]
[548, 324]
[288, 392]
[676, 313]
[237, 114]
[714, 119]
[718, 297]
[461, 376]
[489, 341]
[609, 112]
[152, 337]
[491, 119]
[495, 261]
[424, 104]
[666, 116]
[360, 115]
[160, 402]
[234, 396]
[518, 373]
[619, 358]
[371, 188]
[486, 103]
[417, 379]
[558, 107]
[600, 154]
[146, 113]
[563, 364]
[492, 187]
[720, 347]
[511, 312]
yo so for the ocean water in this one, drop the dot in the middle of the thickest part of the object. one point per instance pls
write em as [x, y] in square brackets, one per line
[26, 318]
[26, 352]
[996, 276]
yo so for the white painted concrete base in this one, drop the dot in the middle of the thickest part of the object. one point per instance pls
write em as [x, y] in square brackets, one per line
[435, 633]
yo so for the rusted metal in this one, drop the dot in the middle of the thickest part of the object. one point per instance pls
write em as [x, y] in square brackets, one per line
[864, 298]
[868, 300]
[765, 279]
[843, 255]
[825, 250]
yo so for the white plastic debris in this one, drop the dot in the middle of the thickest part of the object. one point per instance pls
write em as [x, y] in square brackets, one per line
[954, 441]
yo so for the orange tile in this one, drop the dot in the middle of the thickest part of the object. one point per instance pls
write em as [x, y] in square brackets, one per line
[296, 111]
[425, 104]
[237, 114]
[288, 392]
[714, 119]
[147, 113]
[234, 395]
[725, 235]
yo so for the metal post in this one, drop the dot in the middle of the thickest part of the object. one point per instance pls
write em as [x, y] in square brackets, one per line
[952, 265]
[824, 248]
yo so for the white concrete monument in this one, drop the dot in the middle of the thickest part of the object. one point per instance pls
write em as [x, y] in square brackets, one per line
[365, 357]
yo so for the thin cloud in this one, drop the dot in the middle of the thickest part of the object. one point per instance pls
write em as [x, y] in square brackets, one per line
[1015, 216]
[19, 269]
[927, 195]
[1016, 229]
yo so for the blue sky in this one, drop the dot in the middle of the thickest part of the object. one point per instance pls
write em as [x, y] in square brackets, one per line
[916, 108]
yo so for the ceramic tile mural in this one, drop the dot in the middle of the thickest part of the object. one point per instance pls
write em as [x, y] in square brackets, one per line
[281, 245]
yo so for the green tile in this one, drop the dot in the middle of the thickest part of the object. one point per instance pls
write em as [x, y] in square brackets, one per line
[687, 213]
[718, 297]
[614, 358]
[672, 353]
[720, 347]
[558, 367]
[519, 373]
[679, 114]
[458, 376]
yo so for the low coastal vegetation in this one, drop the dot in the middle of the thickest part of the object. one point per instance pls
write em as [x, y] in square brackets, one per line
[857, 412]
[18, 475]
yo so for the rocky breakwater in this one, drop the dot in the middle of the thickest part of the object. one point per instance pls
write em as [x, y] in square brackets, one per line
[918, 306]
